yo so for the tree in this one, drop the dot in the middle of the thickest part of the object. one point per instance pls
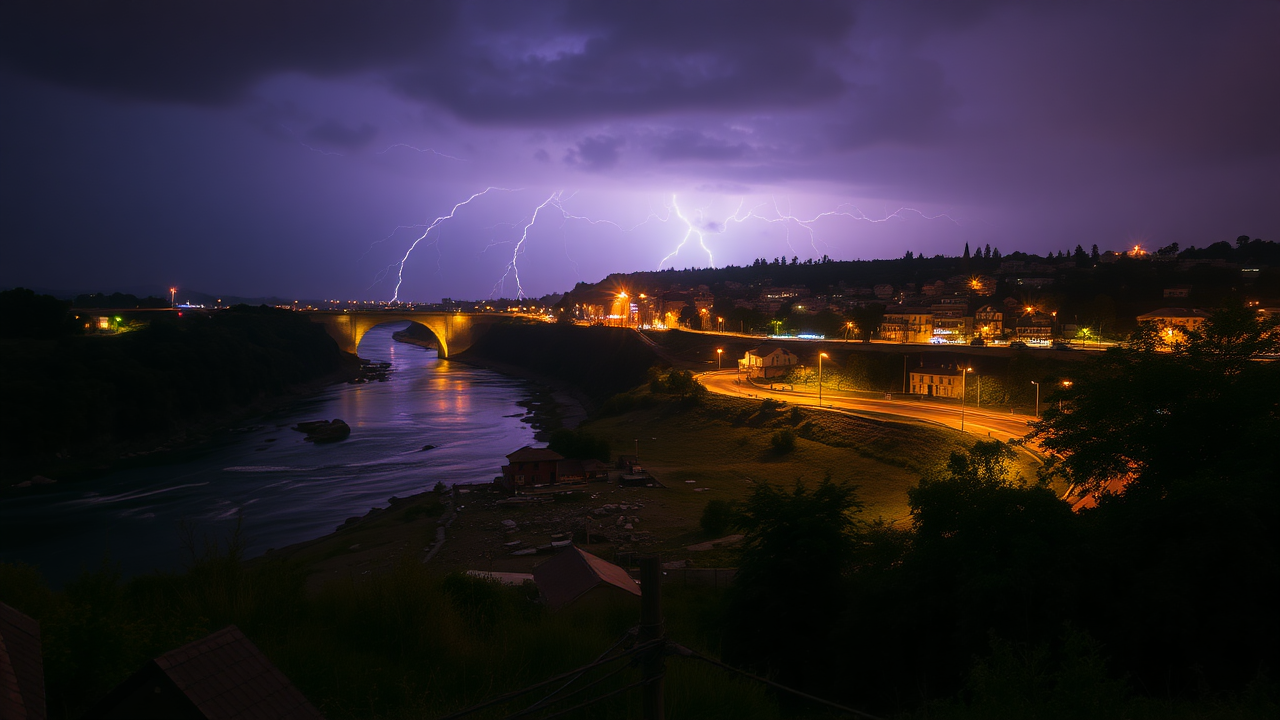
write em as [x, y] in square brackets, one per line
[966, 251]
[1080, 256]
[1150, 417]
[1093, 254]
[790, 587]
[986, 252]
[867, 319]
[689, 316]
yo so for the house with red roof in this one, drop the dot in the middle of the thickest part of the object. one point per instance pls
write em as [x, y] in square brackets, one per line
[21, 667]
[220, 677]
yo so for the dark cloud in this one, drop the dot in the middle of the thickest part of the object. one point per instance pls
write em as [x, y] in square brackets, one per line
[335, 134]
[209, 52]
[596, 153]
[693, 145]
[542, 156]
[608, 60]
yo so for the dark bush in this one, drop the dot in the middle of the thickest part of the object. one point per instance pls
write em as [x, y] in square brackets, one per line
[717, 517]
[783, 441]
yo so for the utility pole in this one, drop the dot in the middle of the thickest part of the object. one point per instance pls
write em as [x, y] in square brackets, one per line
[651, 629]
[1033, 382]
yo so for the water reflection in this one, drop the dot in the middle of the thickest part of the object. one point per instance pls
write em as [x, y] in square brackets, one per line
[286, 489]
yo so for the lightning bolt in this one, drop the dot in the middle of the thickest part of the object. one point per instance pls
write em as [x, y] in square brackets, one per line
[415, 148]
[856, 214]
[512, 268]
[395, 296]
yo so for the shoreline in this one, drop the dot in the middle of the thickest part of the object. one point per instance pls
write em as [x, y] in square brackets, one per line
[194, 438]
[569, 408]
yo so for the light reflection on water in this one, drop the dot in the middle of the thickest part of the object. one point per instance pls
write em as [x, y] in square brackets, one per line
[286, 489]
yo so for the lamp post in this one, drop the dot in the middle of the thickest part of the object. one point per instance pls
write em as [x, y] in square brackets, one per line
[173, 292]
[964, 376]
[719, 357]
[820, 356]
[1033, 382]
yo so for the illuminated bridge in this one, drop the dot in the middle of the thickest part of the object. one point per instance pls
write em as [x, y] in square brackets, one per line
[455, 331]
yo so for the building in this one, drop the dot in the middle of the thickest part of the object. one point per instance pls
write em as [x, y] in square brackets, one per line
[1174, 323]
[767, 361]
[222, 676]
[950, 320]
[883, 291]
[1183, 318]
[936, 382]
[1035, 326]
[530, 467]
[581, 471]
[575, 576]
[1177, 291]
[988, 322]
[902, 323]
[21, 667]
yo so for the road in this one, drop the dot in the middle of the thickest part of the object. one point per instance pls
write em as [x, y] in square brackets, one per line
[1000, 426]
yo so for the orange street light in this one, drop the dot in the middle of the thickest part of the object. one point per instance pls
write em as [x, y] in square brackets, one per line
[963, 391]
[820, 356]
[719, 357]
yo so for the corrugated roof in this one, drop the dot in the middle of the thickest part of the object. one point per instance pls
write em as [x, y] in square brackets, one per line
[533, 454]
[767, 349]
[21, 667]
[572, 572]
[228, 678]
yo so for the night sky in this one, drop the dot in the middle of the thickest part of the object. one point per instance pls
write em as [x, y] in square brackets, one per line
[253, 147]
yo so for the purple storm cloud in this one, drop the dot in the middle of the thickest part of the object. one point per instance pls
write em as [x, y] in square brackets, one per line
[301, 148]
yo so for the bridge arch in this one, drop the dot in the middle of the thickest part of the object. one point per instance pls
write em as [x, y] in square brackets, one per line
[455, 331]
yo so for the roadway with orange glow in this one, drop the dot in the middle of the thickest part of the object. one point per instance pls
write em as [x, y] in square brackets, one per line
[1000, 426]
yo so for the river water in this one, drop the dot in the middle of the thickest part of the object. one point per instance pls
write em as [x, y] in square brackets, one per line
[285, 489]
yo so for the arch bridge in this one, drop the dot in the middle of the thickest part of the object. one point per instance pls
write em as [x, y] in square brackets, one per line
[455, 331]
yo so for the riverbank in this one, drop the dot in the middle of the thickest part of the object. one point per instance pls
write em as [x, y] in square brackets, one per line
[554, 404]
[75, 406]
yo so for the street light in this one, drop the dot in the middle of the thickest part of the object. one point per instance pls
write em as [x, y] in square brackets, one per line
[173, 291]
[963, 387]
[820, 356]
[1033, 382]
[719, 357]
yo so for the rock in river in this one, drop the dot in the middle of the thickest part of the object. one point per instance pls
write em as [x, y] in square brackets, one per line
[324, 431]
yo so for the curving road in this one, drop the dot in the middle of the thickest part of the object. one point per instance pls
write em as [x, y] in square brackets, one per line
[1000, 426]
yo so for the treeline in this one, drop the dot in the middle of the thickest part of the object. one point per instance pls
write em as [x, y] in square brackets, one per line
[999, 601]
[599, 361]
[78, 402]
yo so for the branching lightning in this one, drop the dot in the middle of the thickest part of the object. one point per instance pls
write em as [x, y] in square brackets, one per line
[395, 297]
[696, 225]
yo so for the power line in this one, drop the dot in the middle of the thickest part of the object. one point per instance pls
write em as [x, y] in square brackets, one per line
[686, 652]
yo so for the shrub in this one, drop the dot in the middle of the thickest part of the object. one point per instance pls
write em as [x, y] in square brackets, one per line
[717, 517]
[783, 441]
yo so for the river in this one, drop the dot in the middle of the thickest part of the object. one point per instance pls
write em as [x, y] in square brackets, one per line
[286, 490]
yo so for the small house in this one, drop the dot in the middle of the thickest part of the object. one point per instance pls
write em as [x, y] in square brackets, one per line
[221, 676]
[21, 667]
[574, 575]
[530, 467]
[768, 361]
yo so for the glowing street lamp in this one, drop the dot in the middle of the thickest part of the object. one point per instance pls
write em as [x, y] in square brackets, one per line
[820, 356]
[1033, 382]
[719, 357]
[173, 291]
[963, 388]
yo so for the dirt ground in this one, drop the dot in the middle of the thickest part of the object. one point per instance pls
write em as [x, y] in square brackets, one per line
[716, 449]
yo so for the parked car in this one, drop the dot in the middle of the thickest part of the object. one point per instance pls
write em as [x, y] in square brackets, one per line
[1018, 345]
[978, 342]
[1060, 346]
